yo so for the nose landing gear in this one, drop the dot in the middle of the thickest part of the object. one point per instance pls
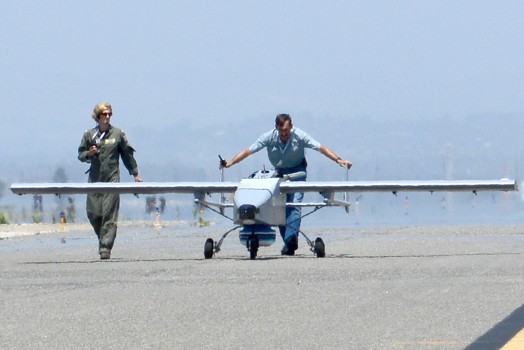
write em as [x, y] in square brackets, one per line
[252, 246]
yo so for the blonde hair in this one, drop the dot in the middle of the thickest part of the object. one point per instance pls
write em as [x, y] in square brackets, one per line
[99, 108]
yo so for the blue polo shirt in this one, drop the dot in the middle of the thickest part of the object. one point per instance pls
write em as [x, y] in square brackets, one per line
[285, 155]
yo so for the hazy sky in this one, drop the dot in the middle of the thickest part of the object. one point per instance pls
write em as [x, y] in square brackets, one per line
[164, 62]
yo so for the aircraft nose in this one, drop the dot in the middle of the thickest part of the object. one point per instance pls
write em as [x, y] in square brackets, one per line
[247, 211]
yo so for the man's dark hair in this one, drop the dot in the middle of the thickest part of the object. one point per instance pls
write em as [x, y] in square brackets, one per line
[282, 118]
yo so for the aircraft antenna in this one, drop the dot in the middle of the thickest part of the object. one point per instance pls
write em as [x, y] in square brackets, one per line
[222, 198]
[346, 194]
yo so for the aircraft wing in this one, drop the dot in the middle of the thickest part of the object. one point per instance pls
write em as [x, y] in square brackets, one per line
[290, 186]
[124, 187]
[399, 186]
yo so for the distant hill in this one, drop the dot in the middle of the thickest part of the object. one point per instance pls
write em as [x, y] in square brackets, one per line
[473, 147]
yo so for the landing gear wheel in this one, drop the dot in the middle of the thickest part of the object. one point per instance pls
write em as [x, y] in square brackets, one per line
[253, 248]
[208, 248]
[320, 248]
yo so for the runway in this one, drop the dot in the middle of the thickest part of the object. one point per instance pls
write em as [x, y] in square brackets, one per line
[438, 287]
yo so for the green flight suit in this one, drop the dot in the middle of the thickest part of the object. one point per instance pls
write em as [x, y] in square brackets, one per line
[102, 209]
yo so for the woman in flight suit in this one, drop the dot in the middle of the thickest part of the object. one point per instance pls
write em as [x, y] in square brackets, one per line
[103, 146]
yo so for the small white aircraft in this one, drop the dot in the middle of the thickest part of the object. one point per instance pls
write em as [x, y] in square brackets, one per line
[260, 200]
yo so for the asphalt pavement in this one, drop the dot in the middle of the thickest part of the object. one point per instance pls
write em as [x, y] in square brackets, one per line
[448, 287]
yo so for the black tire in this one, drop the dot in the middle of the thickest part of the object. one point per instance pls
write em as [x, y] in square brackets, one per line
[320, 248]
[253, 248]
[208, 248]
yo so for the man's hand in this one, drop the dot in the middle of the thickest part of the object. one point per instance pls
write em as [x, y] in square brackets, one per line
[223, 163]
[344, 163]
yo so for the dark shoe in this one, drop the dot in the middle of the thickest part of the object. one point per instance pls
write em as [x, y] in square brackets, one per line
[105, 255]
[293, 244]
[286, 251]
[290, 247]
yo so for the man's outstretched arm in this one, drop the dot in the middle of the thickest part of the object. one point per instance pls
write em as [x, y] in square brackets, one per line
[238, 158]
[332, 155]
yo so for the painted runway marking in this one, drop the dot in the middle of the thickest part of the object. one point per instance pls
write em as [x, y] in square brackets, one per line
[508, 334]
[516, 343]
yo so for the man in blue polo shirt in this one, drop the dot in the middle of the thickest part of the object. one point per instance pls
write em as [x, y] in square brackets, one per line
[286, 151]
